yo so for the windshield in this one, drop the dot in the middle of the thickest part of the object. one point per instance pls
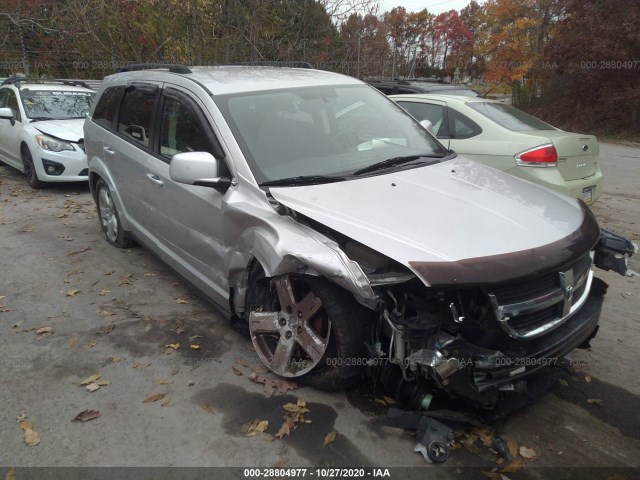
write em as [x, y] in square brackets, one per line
[322, 131]
[56, 105]
[510, 117]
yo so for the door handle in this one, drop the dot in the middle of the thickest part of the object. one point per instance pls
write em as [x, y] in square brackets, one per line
[109, 150]
[155, 179]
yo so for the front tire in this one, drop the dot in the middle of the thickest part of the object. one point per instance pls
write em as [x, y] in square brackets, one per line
[109, 217]
[308, 328]
[30, 169]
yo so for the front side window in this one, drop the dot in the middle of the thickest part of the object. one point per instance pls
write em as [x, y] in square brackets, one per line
[56, 104]
[181, 130]
[322, 130]
[510, 117]
[8, 100]
[136, 111]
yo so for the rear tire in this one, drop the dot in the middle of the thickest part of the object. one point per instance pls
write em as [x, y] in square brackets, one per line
[307, 328]
[30, 169]
[109, 218]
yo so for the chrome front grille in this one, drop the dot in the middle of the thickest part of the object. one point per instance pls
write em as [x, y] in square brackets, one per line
[530, 309]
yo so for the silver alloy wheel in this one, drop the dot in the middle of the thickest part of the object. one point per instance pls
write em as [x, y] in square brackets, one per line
[108, 217]
[292, 340]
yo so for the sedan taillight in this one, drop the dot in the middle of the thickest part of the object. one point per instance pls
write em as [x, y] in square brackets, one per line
[544, 156]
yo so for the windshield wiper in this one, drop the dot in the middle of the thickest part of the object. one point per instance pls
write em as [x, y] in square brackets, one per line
[394, 161]
[301, 180]
[38, 119]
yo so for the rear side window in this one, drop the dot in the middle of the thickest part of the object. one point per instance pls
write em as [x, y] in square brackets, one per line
[136, 111]
[427, 111]
[107, 105]
[510, 117]
[461, 126]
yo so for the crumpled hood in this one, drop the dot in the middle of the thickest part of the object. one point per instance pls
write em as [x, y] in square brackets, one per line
[69, 130]
[449, 213]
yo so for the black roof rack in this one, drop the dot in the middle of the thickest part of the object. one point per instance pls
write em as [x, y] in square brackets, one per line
[71, 83]
[172, 67]
[274, 63]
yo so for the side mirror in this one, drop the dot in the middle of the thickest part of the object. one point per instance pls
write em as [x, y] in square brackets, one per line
[427, 125]
[198, 168]
[7, 114]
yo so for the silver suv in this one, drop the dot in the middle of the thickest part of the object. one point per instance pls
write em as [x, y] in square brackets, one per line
[311, 207]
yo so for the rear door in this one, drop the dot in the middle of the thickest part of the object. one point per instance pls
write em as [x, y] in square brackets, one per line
[127, 151]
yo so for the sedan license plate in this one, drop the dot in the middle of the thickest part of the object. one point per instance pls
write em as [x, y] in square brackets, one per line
[587, 195]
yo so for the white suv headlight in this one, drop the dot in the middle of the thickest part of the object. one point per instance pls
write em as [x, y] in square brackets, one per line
[53, 145]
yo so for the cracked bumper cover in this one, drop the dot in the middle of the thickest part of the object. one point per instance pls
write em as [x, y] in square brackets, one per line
[491, 371]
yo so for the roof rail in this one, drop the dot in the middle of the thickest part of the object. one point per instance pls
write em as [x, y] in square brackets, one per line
[172, 67]
[71, 83]
[274, 63]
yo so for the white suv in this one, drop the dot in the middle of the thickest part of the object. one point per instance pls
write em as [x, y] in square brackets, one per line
[41, 128]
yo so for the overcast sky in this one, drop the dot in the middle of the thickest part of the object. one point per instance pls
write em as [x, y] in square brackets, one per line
[433, 6]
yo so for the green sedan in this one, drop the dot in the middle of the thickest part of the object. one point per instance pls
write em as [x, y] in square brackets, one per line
[511, 140]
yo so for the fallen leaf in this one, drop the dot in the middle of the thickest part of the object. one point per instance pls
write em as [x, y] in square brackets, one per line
[102, 383]
[181, 301]
[90, 379]
[18, 323]
[44, 330]
[259, 369]
[149, 274]
[284, 385]
[92, 387]
[241, 362]
[330, 437]
[165, 382]
[563, 382]
[286, 428]
[236, 371]
[11, 475]
[595, 401]
[105, 330]
[512, 467]
[165, 403]
[154, 398]
[22, 417]
[512, 445]
[173, 346]
[127, 280]
[252, 429]
[208, 408]
[28, 228]
[86, 415]
[389, 400]
[31, 437]
[105, 313]
[103, 292]
[26, 425]
[194, 346]
[528, 453]
[73, 341]
[587, 378]
[90, 345]
[67, 238]
[72, 292]
[141, 365]
[280, 463]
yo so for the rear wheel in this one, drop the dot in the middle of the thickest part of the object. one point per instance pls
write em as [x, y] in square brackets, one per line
[109, 217]
[308, 328]
[30, 169]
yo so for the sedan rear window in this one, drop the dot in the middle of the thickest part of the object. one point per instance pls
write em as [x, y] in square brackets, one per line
[510, 117]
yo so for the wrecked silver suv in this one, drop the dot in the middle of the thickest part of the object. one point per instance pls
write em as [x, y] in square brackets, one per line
[311, 207]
